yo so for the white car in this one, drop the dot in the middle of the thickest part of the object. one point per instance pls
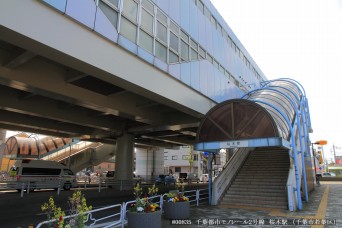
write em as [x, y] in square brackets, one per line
[328, 174]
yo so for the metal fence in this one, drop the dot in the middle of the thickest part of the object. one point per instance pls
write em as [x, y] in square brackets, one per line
[30, 185]
[115, 215]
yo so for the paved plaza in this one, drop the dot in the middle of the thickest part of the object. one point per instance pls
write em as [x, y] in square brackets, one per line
[324, 205]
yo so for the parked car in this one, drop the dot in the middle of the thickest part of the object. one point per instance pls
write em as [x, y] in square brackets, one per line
[110, 174]
[328, 174]
[166, 180]
[204, 177]
[188, 177]
[109, 180]
[192, 177]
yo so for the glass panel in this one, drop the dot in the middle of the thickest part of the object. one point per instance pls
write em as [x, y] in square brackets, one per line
[148, 6]
[184, 36]
[241, 54]
[110, 13]
[174, 42]
[174, 28]
[221, 69]
[216, 64]
[194, 55]
[160, 51]
[200, 6]
[114, 3]
[147, 21]
[128, 29]
[225, 34]
[146, 41]
[161, 32]
[227, 74]
[184, 51]
[173, 58]
[207, 12]
[213, 21]
[130, 9]
[209, 58]
[237, 50]
[229, 40]
[233, 45]
[193, 44]
[219, 28]
[201, 52]
[161, 17]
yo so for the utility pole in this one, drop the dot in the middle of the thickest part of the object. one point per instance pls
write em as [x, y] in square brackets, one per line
[334, 154]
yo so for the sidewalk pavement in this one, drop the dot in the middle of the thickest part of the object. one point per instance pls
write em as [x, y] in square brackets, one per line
[325, 205]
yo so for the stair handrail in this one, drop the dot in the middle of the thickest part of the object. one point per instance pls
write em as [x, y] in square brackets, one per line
[223, 181]
[79, 146]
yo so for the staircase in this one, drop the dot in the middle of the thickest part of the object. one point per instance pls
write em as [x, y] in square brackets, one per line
[261, 182]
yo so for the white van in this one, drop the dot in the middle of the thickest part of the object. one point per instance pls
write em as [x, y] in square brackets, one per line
[39, 174]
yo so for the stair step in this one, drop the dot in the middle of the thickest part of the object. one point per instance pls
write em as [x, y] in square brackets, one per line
[237, 204]
[259, 182]
[256, 187]
[265, 190]
[269, 176]
[233, 193]
[255, 198]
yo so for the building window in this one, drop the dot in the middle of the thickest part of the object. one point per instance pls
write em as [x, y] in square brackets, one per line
[147, 5]
[173, 57]
[184, 51]
[195, 157]
[193, 54]
[178, 169]
[113, 2]
[128, 29]
[209, 58]
[201, 53]
[146, 41]
[161, 51]
[174, 157]
[147, 21]
[185, 157]
[161, 32]
[110, 12]
[130, 9]
[174, 42]
[166, 158]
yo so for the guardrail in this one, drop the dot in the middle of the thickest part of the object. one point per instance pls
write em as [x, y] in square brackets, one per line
[118, 217]
[30, 185]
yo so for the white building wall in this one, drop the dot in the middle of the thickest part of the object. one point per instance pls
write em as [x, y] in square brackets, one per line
[149, 163]
[178, 158]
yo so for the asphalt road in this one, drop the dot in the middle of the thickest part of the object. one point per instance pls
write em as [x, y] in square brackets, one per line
[20, 212]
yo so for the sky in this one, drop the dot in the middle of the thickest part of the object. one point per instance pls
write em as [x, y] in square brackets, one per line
[298, 39]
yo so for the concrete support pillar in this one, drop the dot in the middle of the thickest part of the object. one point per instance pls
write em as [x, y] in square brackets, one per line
[2, 136]
[2, 147]
[124, 157]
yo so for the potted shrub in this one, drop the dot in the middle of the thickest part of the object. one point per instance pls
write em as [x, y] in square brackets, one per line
[177, 206]
[144, 213]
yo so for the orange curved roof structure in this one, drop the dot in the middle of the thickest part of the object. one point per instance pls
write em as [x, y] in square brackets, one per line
[24, 146]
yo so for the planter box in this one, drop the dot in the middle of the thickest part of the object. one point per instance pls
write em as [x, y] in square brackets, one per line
[178, 210]
[144, 220]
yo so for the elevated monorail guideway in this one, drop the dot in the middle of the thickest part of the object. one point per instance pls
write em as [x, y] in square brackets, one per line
[274, 115]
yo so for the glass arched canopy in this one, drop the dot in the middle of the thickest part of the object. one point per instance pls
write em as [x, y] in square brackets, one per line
[260, 119]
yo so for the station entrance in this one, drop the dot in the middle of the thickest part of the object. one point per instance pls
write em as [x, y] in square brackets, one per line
[267, 134]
